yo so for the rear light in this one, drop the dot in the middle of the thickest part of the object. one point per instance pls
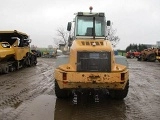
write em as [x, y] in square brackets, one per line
[122, 76]
[64, 76]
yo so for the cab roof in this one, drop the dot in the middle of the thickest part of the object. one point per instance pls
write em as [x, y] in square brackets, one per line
[100, 14]
[14, 33]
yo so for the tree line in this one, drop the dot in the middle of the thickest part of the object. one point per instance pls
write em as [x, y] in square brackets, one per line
[136, 47]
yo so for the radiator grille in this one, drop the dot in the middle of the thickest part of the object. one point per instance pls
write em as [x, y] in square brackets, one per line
[94, 61]
[89, 43]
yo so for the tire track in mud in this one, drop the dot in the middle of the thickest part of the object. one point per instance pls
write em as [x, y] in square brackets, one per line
[24, 85]
[144, 95]
[142, 102]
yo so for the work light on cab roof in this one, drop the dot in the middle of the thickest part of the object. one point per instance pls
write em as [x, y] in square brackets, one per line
[90, 8]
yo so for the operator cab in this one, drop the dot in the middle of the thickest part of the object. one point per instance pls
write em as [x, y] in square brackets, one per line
[89, 25]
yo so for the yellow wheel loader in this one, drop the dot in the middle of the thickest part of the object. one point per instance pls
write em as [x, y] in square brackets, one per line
[90, 63]
[15, 51]
[158, 54]
[148, 55]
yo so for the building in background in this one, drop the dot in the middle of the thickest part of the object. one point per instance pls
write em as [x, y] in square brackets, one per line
[158, 44]
[150, 45]
[61, 46]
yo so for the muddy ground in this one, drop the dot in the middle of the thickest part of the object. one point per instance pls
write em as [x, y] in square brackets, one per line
[28, 94]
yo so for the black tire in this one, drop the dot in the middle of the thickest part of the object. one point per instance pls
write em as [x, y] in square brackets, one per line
[119, 94]
[132, 56]
[139, 59]
[12, 68]
[151, 57]
[28, 62]
[34, 60]
[61, 93]
[5, 70]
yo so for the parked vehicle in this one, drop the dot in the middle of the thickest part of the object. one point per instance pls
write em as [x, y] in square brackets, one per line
[148, 55]
[37, 53]
[132, 54]
[90, 62]
[15, 51]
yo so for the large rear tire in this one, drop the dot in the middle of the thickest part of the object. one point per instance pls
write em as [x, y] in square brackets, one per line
[119, 94]
[61, 93]
[152, 57]
[33, 60]
[28, 62]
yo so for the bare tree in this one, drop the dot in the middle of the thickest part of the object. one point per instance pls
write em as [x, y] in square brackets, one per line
[57, 41]
[111, 36]
[62, 36]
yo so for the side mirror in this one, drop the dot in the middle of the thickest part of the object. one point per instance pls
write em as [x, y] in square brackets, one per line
[69, 26]
[108, 23]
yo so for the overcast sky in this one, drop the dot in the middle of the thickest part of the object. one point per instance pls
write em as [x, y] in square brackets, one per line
[136, 21]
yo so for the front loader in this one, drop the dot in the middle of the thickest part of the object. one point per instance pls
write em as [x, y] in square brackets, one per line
[90, 63]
